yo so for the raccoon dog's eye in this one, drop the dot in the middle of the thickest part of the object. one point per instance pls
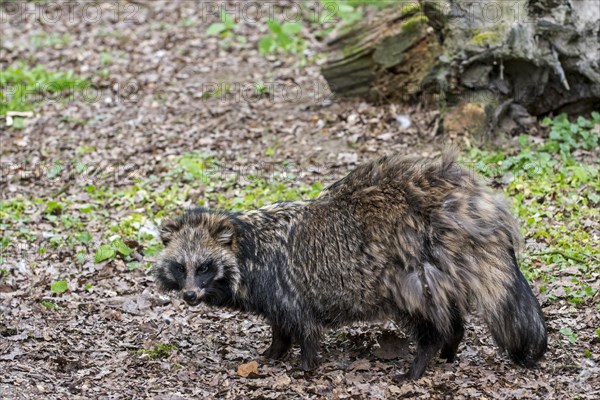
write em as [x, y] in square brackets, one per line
[180, 268]
[176, 267]
[203, 268]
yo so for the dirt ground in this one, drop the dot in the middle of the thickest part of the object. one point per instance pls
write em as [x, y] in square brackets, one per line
[147, 110]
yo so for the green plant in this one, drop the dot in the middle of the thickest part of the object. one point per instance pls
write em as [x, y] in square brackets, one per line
[159, 350]
[58, 287]
[223, 28]
[569, 334]
[566, 136]
[283, 38]
[198, 166]
[110, 251]
[348, 12]
[106, 58]
[261, 89]
[50, 305]
[40, 40]
[220, 91]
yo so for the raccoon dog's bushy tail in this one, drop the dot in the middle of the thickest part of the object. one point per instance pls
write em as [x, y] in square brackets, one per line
[517, 323]
[481, 239]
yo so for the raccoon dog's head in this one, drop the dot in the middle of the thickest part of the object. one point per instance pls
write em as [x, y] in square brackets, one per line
[199, 259]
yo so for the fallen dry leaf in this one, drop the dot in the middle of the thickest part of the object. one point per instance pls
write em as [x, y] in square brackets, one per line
[245, 370]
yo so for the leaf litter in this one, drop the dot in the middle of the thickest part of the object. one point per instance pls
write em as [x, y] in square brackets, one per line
[75, 327]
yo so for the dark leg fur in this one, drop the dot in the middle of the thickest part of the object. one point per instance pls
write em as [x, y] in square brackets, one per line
[429, 343]
[308, 351]
[280, 344]
[452, 342]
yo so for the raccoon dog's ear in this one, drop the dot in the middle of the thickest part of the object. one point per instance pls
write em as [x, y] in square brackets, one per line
[224, 232]
[168, 228]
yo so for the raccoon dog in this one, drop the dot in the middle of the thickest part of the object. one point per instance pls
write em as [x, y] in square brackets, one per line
[418, 241]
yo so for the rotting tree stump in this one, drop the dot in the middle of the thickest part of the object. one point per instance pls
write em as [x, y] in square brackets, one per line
[488, 66]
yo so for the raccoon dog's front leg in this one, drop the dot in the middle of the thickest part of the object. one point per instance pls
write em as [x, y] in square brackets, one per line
[280, 344]
[308, 350]
[309, 337]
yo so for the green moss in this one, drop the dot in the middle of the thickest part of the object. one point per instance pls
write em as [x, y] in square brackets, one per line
[409, 9]
[486, 38]
[414, 22]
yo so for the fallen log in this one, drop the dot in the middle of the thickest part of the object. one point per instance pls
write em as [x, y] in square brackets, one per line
[489, 66]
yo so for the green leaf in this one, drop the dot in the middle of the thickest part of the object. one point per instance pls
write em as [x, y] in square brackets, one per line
[51, 305]
[291, 28]
[194, 167]
[266, 45]
[133, 265]
[284, 41]
[84, 237]
[104, 252]
[58, 287]
[346, 8]
[274, 27]
[215, 29]
[81, 257]
[121, 247]
[568, 332]
[53, 207]
[54, 171]
[18, 123]
[153, 250]
[227, 20]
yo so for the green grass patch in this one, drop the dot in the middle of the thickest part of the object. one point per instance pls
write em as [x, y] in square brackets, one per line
[43, 39]
[195, 179]
[24, 87]
[159, 350]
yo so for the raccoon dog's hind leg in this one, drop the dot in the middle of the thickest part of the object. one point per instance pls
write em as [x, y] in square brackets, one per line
[280, 344]
[429, 342]
[456, 334]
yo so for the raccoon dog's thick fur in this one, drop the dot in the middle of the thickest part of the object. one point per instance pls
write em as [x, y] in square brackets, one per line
[415, 240]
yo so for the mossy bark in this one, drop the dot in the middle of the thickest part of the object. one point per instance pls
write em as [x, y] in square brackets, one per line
[512, 59]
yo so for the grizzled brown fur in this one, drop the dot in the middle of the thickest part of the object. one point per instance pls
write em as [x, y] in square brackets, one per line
[409, 239]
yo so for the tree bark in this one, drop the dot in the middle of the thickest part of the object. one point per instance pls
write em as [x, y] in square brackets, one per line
[488, 65]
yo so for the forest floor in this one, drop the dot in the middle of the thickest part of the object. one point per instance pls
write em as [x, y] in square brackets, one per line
[167, 117]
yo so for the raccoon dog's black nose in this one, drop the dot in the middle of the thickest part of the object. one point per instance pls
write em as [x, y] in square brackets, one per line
[189, 295]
